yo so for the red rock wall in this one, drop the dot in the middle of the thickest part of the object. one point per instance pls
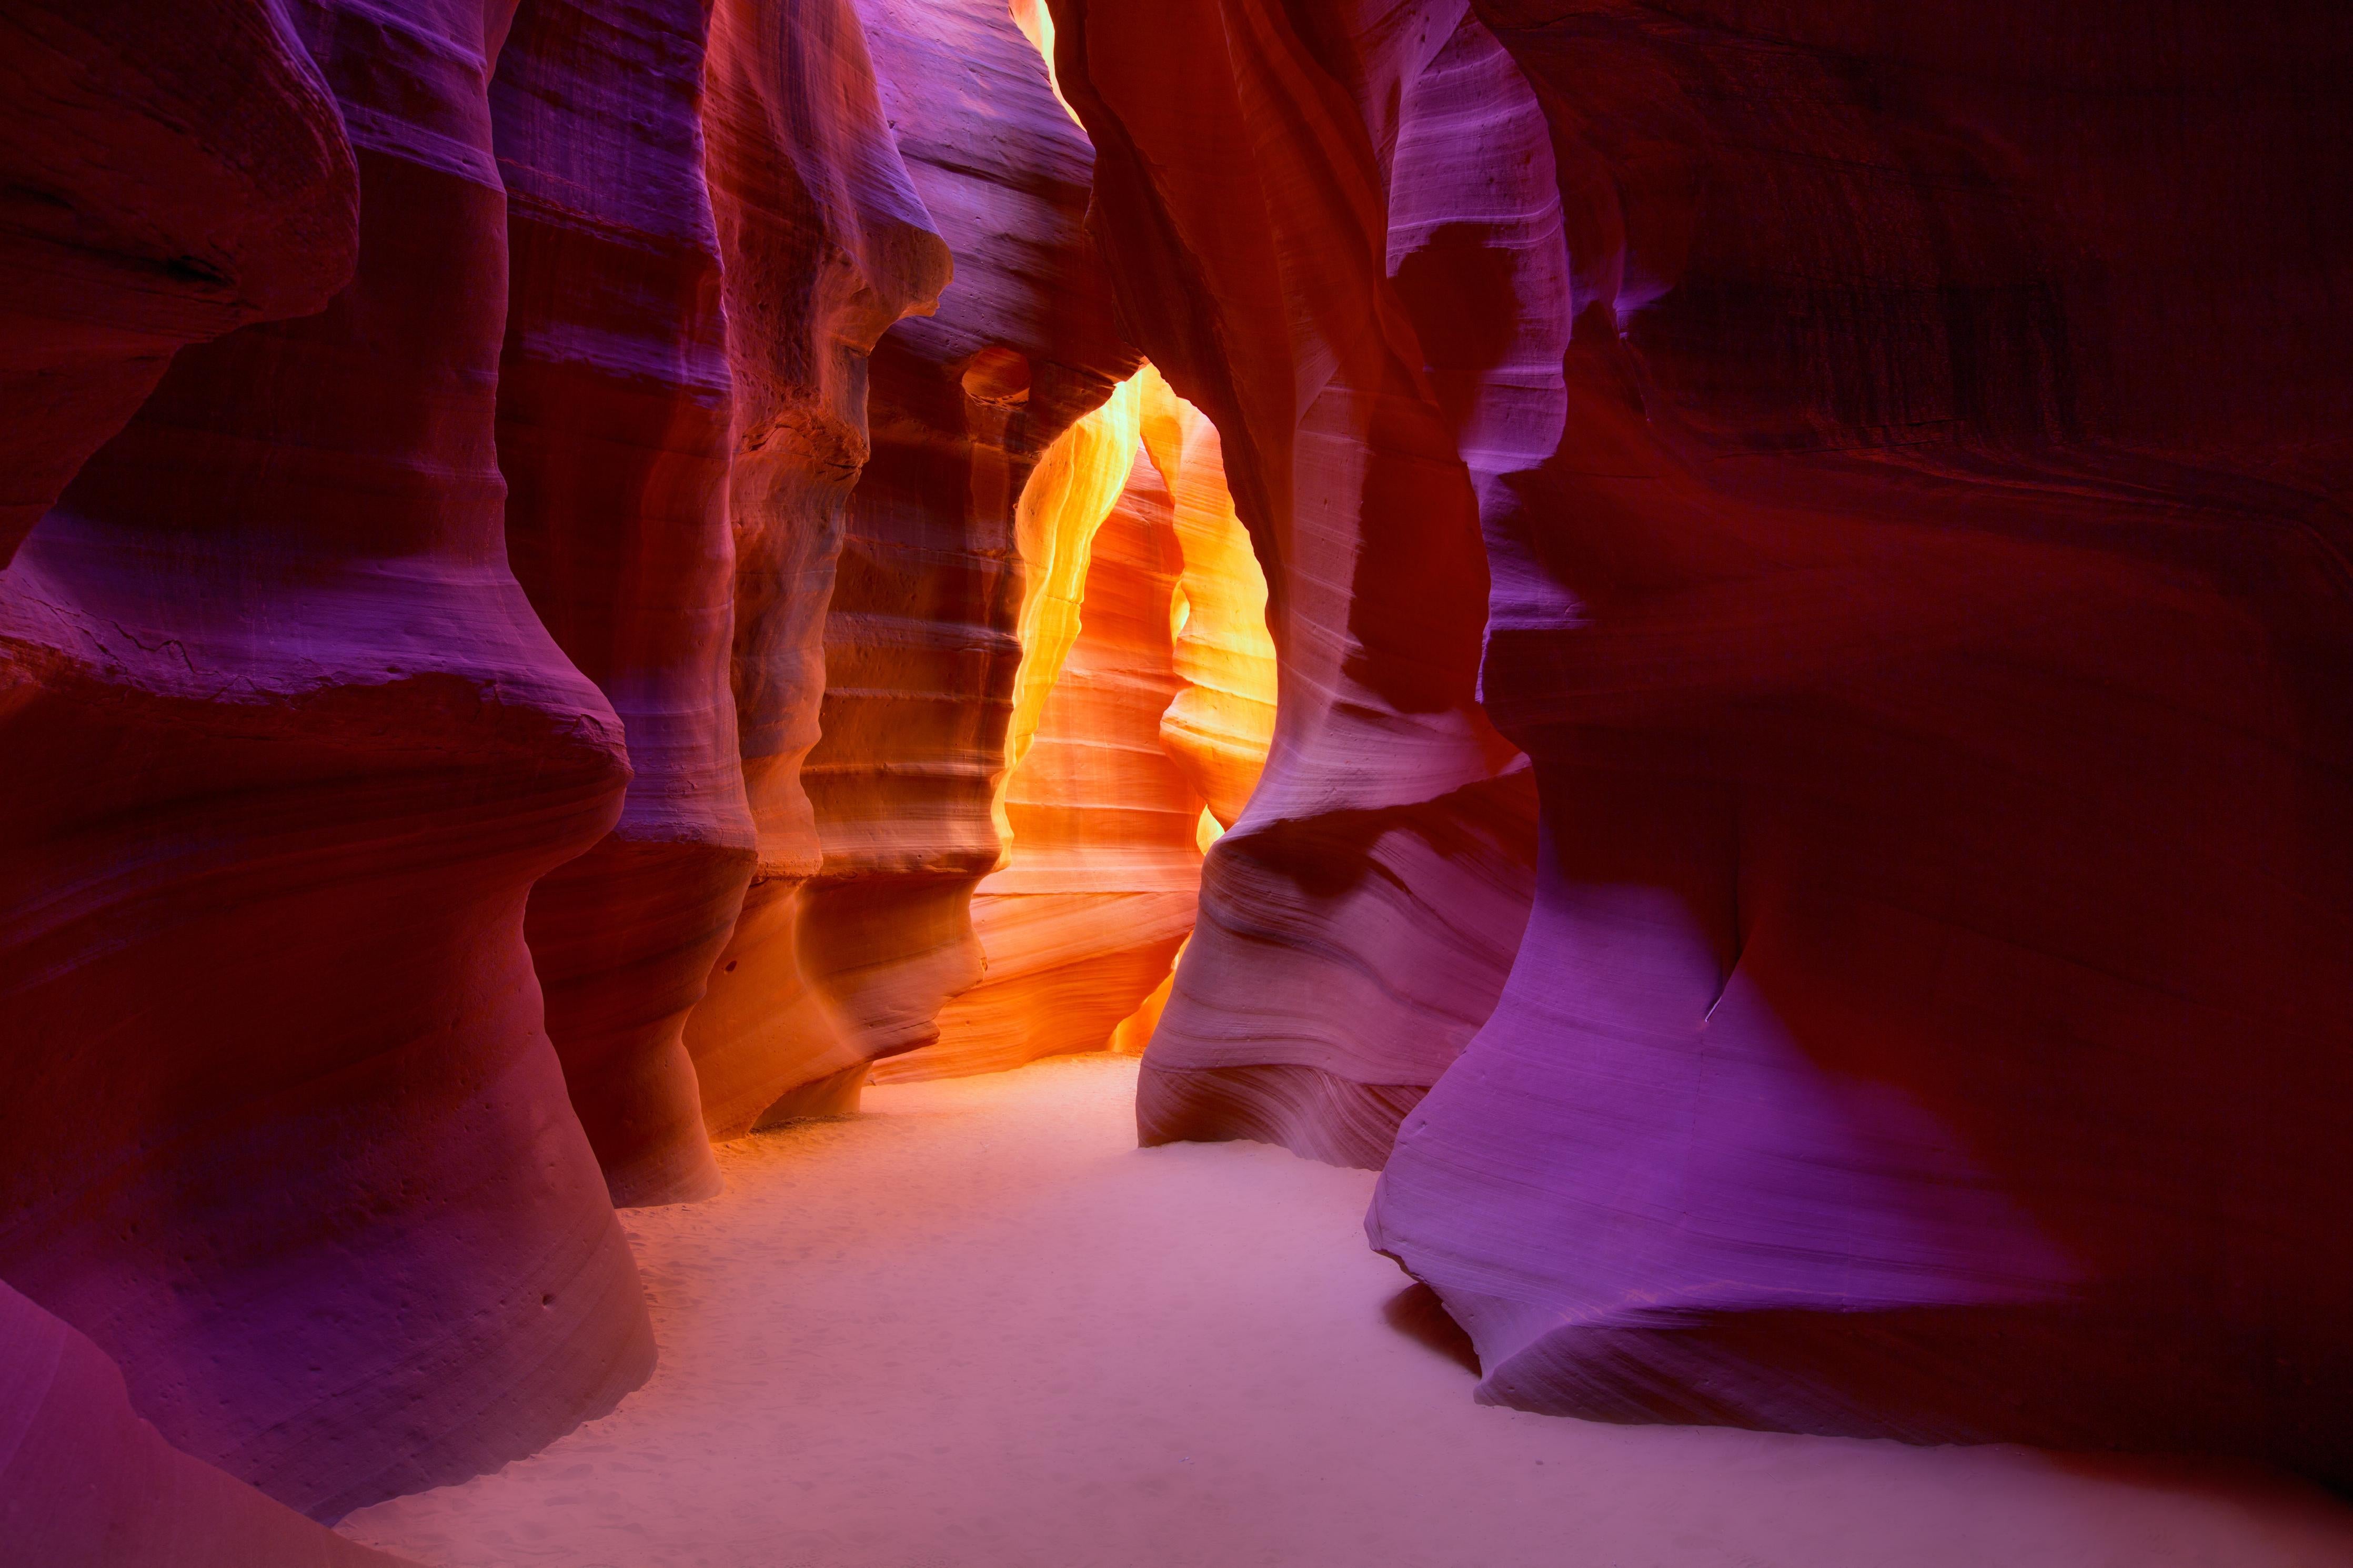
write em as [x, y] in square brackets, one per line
[1356, 923]
[1922, 620]
[824, 243]
[613, 436]
[849, 960]
[286, 750]
[168, 178]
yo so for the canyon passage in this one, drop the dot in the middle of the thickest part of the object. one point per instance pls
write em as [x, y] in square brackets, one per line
[1359, 781]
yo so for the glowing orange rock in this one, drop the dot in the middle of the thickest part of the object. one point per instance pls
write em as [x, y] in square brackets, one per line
[1080, 926]
[1222, 722]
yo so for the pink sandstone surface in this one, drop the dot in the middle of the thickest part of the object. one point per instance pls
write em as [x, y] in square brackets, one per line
[1915, 585]
[1749, 601]
[613, 436]
[286, 749]
[850, 959]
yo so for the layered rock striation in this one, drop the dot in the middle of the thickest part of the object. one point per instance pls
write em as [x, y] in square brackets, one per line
[1358, 920]
[1911, 491]
[848, 956]
[613, 404]
[824, 244]
[287, 748]
[1102, 857]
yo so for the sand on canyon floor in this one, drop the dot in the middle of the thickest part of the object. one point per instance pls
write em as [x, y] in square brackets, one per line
[976, 1327]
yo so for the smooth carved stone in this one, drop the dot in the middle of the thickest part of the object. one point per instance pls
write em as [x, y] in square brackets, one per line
[1906, 464]
[850, 959]
[613, 436]
[286, 749]
[1222, 722]
[1080, 926]
[823, 243]
[165, 177]
[1921, 1026]
[169, 177]
[84, 1481]
[1358, 920]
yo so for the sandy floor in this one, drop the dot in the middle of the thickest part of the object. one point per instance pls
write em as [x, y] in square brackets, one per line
[976, 1327]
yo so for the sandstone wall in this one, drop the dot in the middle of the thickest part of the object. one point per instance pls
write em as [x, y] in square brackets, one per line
[614, 405]
[1912, 506]
[849, 957]
[286, 749]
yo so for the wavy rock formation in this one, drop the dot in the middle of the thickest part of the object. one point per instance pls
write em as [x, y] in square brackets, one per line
[1923, 1020]
[612, 436]
[166, 179]
[1221, 723]
[824, 244]
[1914, 588]
[84, 1481]
[849, 960]
[1356, 923]
[1102, 859]
[286, 750]
[169, 179]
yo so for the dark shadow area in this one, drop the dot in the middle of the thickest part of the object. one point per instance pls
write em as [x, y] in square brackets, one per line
[1418, 1314]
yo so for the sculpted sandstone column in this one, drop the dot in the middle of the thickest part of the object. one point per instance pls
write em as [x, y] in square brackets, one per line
[286, 750]
[824, 244]
[613, 434]
[1923, 634]
[848, 958]
[1356, 923]
[170, 177]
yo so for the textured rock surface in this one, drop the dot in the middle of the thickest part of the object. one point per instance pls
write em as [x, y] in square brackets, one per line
[1924, 683]
[167, 178]
[1221, 723]
[286, 748]
[1924, 627]
[1927, 1017]
[1356, 923]
[1104, 861]
[824, 244]
[85, 1483]
[612, 436]
[834, 969]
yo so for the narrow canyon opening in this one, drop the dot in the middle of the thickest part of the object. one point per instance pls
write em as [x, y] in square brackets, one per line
[1143, 706]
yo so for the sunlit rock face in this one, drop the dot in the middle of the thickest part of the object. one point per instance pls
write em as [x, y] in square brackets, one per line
[823, 243]
[921, 648]
[1913, 493]
[1102, 826]
[285, 749]
[1356, 923]
[1221, 721]
[612, 436]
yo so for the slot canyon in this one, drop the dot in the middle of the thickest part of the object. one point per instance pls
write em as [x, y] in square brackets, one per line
[1141, 783]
